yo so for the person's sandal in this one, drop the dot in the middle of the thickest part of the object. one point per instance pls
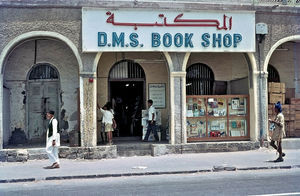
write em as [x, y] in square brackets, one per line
[55, 166]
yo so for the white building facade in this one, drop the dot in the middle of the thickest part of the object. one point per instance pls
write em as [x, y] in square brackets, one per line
[205, 67]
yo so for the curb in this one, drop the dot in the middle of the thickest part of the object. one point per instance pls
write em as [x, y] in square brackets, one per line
[214, 169]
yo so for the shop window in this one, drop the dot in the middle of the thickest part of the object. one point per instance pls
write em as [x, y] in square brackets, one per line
[43, 71]
[217, 117]
[273, 74]
[199, 80]
[126, 69]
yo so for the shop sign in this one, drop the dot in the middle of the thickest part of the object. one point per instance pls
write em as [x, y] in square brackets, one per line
[157, 92]
[170, 31]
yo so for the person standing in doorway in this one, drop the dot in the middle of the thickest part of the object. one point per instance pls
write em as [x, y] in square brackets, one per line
[53, 141]
[278, 132]
[151, 122]
[101, 126]
[108, 120]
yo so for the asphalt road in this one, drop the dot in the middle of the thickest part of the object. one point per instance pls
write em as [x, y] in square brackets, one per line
[263, 182]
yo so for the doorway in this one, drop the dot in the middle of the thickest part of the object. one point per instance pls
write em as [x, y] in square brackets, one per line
[127, 94]
[128, 98]
[43, 91]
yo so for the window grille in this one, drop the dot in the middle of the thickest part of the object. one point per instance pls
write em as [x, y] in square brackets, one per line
[273, 75]
[43, 71]
[126, 69]
[200, 80]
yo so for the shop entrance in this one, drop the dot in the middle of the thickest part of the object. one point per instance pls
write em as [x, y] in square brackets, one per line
[128, 98]
[127, 94]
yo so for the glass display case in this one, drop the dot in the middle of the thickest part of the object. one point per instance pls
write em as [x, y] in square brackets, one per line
[217, 117]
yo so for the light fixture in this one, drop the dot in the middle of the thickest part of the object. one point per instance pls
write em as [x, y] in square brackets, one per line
[126, 85]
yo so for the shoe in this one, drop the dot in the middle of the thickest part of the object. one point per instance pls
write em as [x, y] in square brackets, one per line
[48, 167]
[145, 140]
[283, 154]
[279, 159]
[55, 166]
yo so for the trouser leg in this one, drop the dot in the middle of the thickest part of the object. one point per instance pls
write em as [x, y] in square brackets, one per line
[52, 152]
[148, 131]
[272, 143]
[155, 131]
[279, 149]
[151, 127]
[103, 137]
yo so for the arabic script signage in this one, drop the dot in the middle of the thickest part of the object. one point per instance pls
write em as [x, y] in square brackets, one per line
[157, 92]
[162, 30]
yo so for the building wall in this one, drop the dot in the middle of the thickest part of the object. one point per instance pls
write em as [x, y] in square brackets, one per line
[155, 71]
[284, 62]
[17, 69]
[6, 110]
[22, 20]
[17, 18]
[226, 66]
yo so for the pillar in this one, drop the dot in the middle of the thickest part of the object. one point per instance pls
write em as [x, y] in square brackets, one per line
[177, 63]
[88, 105]
[262, 78]
[178, 107]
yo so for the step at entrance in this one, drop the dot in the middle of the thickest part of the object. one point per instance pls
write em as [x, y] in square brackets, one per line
[134, 149]
[37, 153]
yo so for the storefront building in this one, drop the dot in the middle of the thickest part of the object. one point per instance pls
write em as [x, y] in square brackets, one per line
[205, 68]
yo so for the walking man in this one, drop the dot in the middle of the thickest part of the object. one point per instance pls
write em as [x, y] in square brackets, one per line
[278, 132]
[151, 121]
[53, 140]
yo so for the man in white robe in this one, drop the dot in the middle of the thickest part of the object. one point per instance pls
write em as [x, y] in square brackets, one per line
[53, 140]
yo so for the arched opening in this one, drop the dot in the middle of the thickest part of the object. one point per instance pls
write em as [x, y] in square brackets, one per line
[43, 87]
[40, 67]
[284, 58]
[147, 72]
[199, 80]
[217, 98]
[127, 94]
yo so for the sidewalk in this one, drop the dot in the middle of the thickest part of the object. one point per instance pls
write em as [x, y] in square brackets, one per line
[148, 165]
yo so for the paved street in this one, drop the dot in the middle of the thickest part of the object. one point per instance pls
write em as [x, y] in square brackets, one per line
[272, 182]
[260, 159]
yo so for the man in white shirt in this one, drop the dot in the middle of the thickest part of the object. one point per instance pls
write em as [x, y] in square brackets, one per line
[53, 141]
[151, 121]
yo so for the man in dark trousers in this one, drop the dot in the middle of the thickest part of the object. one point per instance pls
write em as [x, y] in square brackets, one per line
[53, 141]
[151, 121]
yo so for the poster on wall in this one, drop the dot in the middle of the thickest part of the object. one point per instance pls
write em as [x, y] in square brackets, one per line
[157, 92]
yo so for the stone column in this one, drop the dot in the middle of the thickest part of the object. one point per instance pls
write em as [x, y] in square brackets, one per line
[178, 107]
[177, 63]
[263, 105]
[88, 105]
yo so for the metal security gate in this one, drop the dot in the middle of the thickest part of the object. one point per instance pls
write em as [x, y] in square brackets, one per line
[126, 69]
[199, 80]
[43, 91]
